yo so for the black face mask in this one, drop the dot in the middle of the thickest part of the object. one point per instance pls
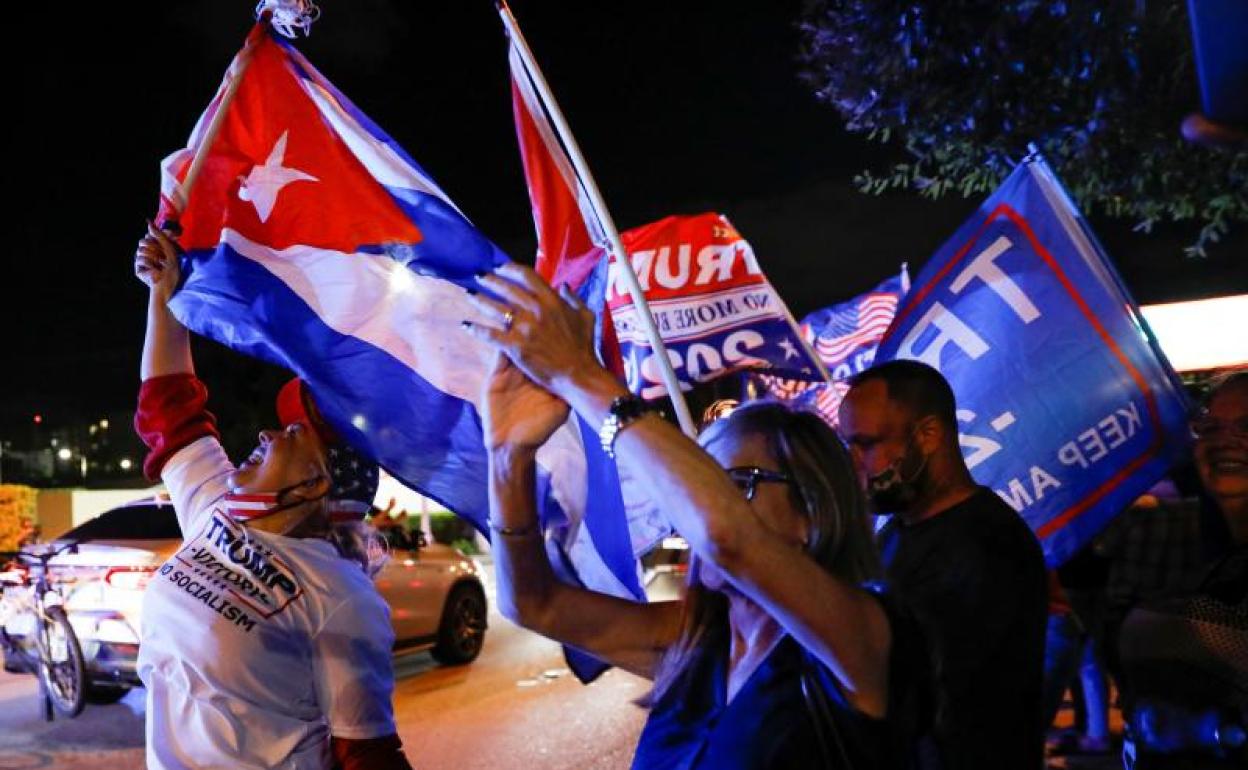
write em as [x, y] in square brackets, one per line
[893, 490]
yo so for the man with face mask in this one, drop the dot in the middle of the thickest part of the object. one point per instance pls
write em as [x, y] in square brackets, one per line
[968, 565]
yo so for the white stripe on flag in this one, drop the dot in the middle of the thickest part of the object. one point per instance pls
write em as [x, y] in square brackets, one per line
[415, 318]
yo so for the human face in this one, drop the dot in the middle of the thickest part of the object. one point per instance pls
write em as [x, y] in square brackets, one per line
[1221, 448]
[773, 502]
[280, 461]
[879, 434]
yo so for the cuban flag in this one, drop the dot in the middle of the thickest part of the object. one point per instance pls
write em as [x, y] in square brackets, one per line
[845, 336]
[572, 249]
[570, 239]
[1067, 407]
[313, 241]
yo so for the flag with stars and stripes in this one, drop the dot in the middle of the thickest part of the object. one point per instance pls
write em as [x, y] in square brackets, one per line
[845, 337]
[712, 304]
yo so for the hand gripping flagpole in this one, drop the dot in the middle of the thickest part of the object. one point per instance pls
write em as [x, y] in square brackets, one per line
[182, 193]
[586, 180]
[288, 14]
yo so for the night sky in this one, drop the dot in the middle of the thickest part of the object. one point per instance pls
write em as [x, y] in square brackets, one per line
[680, 107]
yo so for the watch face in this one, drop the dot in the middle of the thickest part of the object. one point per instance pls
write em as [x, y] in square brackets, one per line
[627, 407]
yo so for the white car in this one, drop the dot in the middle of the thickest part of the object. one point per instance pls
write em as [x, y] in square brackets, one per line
[435, 594]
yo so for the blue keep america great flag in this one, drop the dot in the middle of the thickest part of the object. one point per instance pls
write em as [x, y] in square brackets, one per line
[1066, 408]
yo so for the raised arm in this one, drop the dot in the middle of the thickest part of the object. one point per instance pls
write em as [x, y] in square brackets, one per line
[167, 344]
[837, 621]
[519, 417]
[172, 416]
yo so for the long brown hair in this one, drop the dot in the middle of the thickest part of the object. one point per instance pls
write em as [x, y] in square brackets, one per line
[825, 487]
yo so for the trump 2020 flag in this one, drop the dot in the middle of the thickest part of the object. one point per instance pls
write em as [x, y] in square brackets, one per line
[1066, 409]
[845, 336]
[714, 308]
[315, 242]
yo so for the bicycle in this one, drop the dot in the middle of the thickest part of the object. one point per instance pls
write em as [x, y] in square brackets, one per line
[57, 659]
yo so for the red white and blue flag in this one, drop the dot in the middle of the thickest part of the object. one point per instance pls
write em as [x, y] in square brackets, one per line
[313, 241]
[1067, 409]
[712, 304]
[570, 240]
[845, 336]
[572, 249]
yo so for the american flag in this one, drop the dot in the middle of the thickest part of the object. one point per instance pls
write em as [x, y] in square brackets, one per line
[841, 330]
[844, 336]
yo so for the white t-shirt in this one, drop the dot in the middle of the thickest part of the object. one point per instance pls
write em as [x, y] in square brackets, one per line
[256, 647]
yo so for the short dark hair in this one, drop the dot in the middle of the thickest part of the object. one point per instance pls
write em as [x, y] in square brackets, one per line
[914, 385]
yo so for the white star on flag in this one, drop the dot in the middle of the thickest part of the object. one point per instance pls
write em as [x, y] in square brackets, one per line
[263, 184]
[790, 351]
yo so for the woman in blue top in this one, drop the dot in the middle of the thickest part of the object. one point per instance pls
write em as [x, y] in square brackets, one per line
[776, 520]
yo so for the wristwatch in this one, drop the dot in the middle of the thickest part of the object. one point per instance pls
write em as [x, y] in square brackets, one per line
[623, 410]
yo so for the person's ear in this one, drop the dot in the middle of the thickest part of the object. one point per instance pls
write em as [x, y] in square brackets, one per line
[929, 434]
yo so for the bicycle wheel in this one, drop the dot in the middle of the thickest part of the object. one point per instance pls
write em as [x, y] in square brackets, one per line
[61, 665]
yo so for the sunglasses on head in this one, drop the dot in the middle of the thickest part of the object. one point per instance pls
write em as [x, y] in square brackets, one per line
[748, 477]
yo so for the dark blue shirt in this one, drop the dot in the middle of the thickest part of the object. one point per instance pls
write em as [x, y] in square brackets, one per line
[768, 724]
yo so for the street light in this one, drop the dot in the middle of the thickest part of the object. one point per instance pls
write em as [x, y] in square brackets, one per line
[64, 453]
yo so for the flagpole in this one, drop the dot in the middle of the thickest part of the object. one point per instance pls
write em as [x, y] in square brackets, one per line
[629, 275]
[182, 192]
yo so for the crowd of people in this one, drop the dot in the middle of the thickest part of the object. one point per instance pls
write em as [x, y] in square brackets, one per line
[804, 638]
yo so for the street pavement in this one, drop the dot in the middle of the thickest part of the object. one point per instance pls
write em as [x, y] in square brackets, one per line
[516, 706]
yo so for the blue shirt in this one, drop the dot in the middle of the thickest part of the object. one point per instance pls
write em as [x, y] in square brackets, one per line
[768, 724]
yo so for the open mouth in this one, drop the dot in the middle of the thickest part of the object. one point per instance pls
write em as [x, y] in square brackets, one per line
[1225, 460]
[255, 458]
[1229, 466]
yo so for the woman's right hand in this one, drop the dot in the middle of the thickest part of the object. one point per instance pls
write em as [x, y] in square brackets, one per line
[518, 413]
[156, 263]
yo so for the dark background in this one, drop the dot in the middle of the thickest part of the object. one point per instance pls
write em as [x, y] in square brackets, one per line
[680, 107]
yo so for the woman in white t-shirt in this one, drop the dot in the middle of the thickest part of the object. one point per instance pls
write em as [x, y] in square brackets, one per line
[264, 641]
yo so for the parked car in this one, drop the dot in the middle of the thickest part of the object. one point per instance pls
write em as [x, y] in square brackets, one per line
[437, 601]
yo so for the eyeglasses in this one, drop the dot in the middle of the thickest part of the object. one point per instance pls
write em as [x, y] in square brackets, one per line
[748, 477]
[1207, 427]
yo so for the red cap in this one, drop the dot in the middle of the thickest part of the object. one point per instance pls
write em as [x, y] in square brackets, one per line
[295, 404]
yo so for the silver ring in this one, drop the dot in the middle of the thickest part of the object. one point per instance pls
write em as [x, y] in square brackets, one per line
[508, 318]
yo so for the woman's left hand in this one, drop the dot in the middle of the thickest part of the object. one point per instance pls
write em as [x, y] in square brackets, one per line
[518, 413]
[548, 335]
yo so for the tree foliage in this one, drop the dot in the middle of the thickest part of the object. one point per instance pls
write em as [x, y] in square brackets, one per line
[965, 85]
[17, 514]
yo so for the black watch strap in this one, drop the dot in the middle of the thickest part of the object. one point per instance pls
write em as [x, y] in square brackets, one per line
[623, 410]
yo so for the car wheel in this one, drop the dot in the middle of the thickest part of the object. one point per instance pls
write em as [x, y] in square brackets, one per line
[461, 633]
[104, 694]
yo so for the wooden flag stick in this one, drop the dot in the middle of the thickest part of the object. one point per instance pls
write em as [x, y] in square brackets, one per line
[182, 193]
[670, 381]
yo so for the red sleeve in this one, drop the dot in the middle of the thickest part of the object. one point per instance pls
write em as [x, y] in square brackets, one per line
[384, 753]
[170, 415]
